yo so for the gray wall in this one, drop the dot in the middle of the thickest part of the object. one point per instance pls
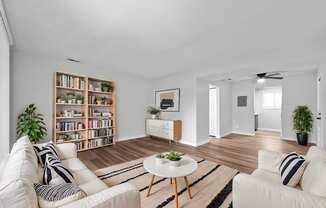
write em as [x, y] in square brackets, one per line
[4, 89]
[32, 82]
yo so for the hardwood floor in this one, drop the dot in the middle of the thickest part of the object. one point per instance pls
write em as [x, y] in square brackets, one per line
[236, 151]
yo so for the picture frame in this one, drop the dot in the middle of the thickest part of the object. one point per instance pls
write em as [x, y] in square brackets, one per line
[168, 100]
[242, 101]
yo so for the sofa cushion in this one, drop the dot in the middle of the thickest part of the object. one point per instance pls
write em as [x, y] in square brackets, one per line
[74, 164]
[57, 195]
[24, 144]
[93, 187]
[267, 175]
[314, 180]
[18, 193]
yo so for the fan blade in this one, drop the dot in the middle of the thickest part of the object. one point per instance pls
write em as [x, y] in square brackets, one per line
[273, 77]
[273, 74]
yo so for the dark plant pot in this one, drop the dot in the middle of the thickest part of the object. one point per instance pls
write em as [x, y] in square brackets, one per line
[302, 138]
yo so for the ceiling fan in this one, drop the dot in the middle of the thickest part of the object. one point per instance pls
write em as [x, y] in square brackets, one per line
[273, 75]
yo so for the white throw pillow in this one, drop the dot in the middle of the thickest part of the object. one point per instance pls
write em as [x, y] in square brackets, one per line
[313, 180]
[18, 193]
[24, 144]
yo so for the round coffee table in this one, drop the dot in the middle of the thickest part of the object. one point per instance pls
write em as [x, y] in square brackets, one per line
[165, 170]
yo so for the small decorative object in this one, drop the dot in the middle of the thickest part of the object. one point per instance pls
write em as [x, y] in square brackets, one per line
[106, 87]
[31, 123]
[154, 112]
[174, 158]
[242, 101]
[302, 123]
[98, 100]
[79, 99]
[168, 100]
[104, 100]
[160, 158]
[71, 98]
[109, 101]
[91, 87]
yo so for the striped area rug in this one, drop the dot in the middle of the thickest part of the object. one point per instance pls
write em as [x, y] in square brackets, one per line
[211, 185]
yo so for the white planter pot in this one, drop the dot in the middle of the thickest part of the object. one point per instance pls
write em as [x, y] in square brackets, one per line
[175, 163]
[79, 102]
[155, 117]
[160, 161]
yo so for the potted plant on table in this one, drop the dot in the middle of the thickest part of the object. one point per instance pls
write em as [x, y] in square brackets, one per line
[160, 158]
[174, 158]
[79, 99]
[302, 123]
[31, 123]
[154, 112]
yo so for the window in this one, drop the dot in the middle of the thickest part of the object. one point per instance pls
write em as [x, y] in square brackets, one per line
[272, 99]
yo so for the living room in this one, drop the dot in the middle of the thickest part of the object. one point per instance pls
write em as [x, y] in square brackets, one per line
[110, 101]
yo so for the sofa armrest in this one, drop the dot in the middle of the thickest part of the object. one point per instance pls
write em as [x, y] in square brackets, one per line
[66, 151]
[120, 196]
[249, 191]
[268, 160]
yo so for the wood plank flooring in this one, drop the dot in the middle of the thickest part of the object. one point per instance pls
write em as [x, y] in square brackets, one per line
[236, 151]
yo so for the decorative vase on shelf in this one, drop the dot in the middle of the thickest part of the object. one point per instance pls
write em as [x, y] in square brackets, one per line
[155, 116]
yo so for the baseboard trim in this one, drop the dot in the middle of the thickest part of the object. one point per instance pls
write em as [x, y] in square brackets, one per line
[243, 133]
[187, 143]
[273, 130]
[202, 143]
[226, 134]
[132, 137]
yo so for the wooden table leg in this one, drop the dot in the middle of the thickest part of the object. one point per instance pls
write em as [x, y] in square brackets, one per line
[150, 185]
[176, 192]
[187, 185]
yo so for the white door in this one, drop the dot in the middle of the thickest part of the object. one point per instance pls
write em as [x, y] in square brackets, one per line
[212, 112]
[321, 102]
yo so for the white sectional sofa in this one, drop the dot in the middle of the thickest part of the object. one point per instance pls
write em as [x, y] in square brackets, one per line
[263, 188]
[20, 170]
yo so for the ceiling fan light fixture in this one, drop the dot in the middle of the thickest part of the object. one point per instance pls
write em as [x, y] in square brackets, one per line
[260, 80]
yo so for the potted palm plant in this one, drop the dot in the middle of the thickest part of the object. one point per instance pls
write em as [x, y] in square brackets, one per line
[154, 112]
[302, 123]
[31, 123]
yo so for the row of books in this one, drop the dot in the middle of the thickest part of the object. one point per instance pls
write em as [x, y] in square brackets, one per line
[95, 113]
[69, 126]
[68, 137]
[100, 133]
[99, 142]
[105, 123]
[80, 145]
[70, 82]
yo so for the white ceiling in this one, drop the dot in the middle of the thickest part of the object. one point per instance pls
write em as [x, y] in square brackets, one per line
[155, 38]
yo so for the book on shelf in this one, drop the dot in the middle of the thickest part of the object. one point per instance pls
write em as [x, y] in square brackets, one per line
[104, 123]
[69, 126]
[68, 81]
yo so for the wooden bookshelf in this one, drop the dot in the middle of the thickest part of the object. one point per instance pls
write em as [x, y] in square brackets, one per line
[83, 111]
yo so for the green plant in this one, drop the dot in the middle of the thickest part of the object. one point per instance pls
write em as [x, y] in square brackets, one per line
[160, 156]
[79, 97]
[106, 87]
[31, 124]
[70, 96]
[153, 111]
[302, 119]
[174, 156]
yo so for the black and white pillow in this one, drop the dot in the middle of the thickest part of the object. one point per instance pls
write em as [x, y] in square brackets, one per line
[55, 172]
[42, 151]
[291, 168]
[52, 196]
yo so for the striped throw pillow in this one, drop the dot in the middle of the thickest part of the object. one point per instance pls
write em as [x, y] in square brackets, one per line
[291, 168]
[57, 195]
[55, 172]
[42, 151]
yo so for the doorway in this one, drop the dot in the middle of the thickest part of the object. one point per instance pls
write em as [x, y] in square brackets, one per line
[268, 110]
[214, 111]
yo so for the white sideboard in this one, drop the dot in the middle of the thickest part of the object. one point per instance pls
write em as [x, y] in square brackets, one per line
[167, 129]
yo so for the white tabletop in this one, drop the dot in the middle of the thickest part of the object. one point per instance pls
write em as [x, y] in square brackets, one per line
[187, 167]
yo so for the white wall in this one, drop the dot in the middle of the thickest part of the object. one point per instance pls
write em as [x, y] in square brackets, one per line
[243, 117]
[187, 114]
[32, 82]
[268, 119]
[298, 90]
[4, 90]
[225, 107]
[202, 112]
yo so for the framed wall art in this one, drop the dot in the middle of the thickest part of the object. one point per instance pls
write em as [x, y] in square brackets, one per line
[168, 100]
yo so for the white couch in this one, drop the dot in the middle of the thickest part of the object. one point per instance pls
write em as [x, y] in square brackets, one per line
[21, 169]
[263, 188]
